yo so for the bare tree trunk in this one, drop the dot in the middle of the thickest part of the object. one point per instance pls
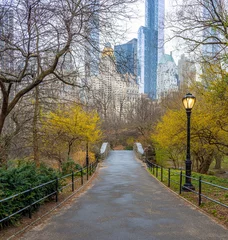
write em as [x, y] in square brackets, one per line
[36, 153]
[3, 153]
[3, 142]
[69, 148]
[204, 166]
[218, 161]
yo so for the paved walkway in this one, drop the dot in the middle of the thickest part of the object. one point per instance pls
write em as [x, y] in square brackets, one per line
[126, 203]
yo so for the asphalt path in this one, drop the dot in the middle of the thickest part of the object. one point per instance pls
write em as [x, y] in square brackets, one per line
[127, 203]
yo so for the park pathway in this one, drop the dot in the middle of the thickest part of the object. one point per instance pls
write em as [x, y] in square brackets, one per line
[126, 203]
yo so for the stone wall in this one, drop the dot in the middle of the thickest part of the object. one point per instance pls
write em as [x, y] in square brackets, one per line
[138, 150]
[104, 151]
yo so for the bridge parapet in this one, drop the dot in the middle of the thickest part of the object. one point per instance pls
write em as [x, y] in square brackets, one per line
[104, 151]
[138, 149]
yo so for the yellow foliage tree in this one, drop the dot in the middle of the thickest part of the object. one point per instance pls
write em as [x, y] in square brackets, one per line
[65, 128]
[169, 135]
[209, 123]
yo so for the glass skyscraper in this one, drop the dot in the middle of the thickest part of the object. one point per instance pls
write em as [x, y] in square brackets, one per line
[210, 34]
[126, 57]
[150, 46]
[161, 22]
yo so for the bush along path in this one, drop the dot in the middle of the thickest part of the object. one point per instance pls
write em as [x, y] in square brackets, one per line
[25, 188]
[125, 202]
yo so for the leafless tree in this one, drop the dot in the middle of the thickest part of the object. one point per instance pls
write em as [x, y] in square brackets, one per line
[142, 116]
[202, 24]
[44, 41]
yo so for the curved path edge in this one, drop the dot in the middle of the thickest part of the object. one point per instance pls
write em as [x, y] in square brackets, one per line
[127, 203]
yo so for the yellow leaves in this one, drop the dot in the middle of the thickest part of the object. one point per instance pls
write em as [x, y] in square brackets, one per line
[170, 130]
[64, 129]
[74, 123]
[209, 118]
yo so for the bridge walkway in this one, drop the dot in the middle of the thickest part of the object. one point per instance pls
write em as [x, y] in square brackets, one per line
[126, 203]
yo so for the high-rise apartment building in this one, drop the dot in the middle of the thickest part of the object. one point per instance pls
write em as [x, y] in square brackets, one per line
[112, 91]
[126, 57]
[150, 46]
[210, 34]
[186, 71]
[167, 79]
[92, 49]
[6, 36]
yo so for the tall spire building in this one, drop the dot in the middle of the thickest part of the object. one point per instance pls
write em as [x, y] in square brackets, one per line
[150, 46]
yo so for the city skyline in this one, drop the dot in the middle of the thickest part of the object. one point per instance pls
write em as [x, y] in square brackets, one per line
[134, 24]
[150, 46]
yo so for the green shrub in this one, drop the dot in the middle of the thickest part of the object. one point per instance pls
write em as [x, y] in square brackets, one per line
[18, 179]
[129, 148]
[69, 166]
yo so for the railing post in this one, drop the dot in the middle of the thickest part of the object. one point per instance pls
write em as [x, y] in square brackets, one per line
[180, 187]
[200, 190]
[72, 181]
[169, 177]
[161, 174]
[30, 202]
[81, 176]
[156, 171]
[56, 189]
[153, 168]
[87, 172]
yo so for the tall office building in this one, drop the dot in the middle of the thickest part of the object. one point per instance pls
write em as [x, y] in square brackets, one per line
[186, 71]
[6, 35]
[210, 34]
[161, 22]
[126, 57]
[92, 49]
[141, 58]
[150, 46]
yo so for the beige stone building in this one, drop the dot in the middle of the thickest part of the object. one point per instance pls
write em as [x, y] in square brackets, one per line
[114, 91]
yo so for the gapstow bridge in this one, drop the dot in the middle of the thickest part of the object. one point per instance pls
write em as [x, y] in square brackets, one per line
[126, 203]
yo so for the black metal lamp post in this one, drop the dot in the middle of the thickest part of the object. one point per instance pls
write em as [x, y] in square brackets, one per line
[188, 102]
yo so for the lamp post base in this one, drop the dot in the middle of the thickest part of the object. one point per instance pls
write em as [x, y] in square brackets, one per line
[188, 187]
